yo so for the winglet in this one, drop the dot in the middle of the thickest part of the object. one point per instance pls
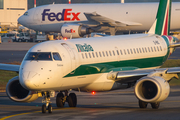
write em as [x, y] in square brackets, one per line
[161, 25]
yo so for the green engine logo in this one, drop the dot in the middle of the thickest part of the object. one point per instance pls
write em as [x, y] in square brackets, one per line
[84, 48]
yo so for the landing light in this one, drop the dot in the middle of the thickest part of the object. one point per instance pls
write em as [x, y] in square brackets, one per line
[93, 92]
[65, 38]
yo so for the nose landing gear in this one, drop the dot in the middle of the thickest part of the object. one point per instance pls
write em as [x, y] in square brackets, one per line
[46, 106]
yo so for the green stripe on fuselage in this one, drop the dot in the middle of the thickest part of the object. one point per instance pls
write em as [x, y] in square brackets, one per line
[118, 65]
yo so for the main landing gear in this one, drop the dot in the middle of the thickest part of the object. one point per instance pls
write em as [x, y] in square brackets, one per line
[143, 104]
[61, 98]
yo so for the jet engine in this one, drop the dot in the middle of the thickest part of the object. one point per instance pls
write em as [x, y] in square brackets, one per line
[152, 89]
[17, 93]
[74, 30]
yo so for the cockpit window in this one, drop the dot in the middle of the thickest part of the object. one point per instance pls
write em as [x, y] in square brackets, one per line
[26, 13]
[42, 56]
[56, 56]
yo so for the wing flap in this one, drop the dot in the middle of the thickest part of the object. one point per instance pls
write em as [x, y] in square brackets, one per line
[133, 75]
[9, 67]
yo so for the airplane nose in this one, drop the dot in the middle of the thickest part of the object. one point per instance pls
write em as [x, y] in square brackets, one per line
[20, 20]
[30, 80]
[23, 21]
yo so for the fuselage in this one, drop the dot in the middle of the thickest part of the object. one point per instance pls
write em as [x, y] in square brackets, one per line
[85, 63]
[50, 18]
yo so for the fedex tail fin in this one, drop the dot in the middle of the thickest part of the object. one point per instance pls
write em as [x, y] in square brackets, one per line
[161, 25]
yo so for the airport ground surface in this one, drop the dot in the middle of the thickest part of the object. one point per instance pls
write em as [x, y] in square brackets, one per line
[114, 105]
[10, 52]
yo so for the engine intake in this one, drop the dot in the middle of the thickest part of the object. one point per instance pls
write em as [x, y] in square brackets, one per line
[17, 93]
[152, 89]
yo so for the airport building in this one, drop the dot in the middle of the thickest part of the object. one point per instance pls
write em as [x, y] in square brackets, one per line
[10, 11]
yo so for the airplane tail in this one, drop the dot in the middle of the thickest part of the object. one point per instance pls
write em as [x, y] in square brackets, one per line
[161, 25]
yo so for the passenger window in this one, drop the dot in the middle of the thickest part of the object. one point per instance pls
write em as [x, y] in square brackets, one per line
[143, 50]
[160, 48]
[149, 49]
[121, 52]
[137, 50]
[93, 55]
[106, 53]
[56, 56]
[152, 49]
[82, 55]
[155, 49]
[86, 55]
[128, 51]
[110, 53]
[90, 55]
[100, 54]
[103, 53]
[96, 54]
[140, 50]
[117, 52]
[134, 51]
[114, 53]
[131, 51]
[124, 51]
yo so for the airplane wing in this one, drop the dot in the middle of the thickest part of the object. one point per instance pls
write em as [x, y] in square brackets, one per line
[9, 67]
[94, 17]
[175, 45]
[133, 75]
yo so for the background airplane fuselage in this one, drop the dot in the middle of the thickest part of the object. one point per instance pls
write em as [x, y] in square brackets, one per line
[50, 18]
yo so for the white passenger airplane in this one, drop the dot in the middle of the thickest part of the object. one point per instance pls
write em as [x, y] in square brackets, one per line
[98, 64]
[76, 20]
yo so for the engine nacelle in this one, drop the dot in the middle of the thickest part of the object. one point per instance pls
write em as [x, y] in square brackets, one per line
[17, 93]
[152, 89]
[74, 30]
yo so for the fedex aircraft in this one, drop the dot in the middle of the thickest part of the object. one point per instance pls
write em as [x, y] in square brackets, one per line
[76, 20]
[98, 64]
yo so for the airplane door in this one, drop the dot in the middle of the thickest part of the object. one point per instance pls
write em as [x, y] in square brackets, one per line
[72, 55]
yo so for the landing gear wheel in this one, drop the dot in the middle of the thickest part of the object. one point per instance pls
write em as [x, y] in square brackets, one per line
[50, 108]
[155, 105]
[43, 108]
[72, 100]
[59, 100]
[142, 104]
